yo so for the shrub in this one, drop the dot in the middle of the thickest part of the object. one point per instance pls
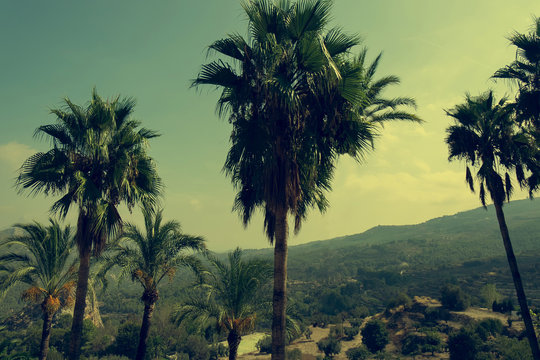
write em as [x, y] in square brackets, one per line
[375, 336]
[294, 354]
[265, 345]
[351, 332]
[453, 298]
[218, 350]
[330, 346]
[503, 307]
[463, 345]
[358, 353]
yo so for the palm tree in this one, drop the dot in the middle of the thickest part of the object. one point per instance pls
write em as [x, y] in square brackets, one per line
[98, 160]
[150, 257]
[296, 101]
[231, 297]
[40, 258]
[525, 72]
[484, 135]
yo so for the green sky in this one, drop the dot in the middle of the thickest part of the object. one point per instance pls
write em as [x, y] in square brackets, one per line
[151, 49]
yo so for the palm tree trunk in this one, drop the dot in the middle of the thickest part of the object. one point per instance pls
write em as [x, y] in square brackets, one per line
[512, 262]
[45, 335]
[280, 286]
[145, 329]
[80, 304]
[233, 340]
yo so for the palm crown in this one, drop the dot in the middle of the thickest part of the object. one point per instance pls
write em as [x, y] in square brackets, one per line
[97, 160]
[150, 256]
[525, 70]
[484, 136]
[41, 258]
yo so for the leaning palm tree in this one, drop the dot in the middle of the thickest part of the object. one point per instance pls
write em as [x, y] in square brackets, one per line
[98, 160]
[484, 136]
[150, 257]
[40, 258]
[231, 297]
[525, 72]
[296, 101]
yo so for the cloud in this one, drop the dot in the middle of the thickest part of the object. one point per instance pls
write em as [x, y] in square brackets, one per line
[13, 154]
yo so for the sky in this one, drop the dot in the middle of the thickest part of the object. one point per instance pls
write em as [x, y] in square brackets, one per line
[152, 50]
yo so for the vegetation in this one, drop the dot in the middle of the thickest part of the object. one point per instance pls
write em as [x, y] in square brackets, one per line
[98, 160]
[453, 298]
[40, 258]
[151, 256]
[233, 294]
[375, 335]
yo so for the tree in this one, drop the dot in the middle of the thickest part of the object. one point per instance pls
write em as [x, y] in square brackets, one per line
[40, 258]
[296, 101]
[150, 257]
[98, 160]
[484, 136]
[375, 335]
[453, 298]
[463, 345]
[525, 72]
[231, 298]
[330, 346]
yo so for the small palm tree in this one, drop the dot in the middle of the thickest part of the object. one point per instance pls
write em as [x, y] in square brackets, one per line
[98, 160]
[232, 297]
[150, 257]
[40, 258]
[484, 136]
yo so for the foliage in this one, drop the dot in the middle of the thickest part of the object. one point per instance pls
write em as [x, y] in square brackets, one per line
[293, 354]
[265, 345]
[330, 346]
[351, 332]
[453, 298]
[375, 335]
[463, 345]
[490, 295]
[505, 306]
[358, 353]
[417, 343]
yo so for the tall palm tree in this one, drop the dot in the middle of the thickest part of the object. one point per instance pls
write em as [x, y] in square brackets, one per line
[150, 257]
[484, 135]
[296, 101]
[40, 258]
[98, 160]
[231, 298]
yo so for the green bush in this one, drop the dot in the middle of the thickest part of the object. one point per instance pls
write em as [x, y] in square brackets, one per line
[375, 335]
[330, 346]
[453, 298]
[294, 354]
[463, 345]
[358, 353]
[265, 345]
[350, 332]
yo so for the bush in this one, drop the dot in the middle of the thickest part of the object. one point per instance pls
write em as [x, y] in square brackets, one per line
[463, 345]
[375, 336]
[350, 332]
[294, 354]
[504, 307]
[358, 353]
[453, 298]
[265, 345]
[330, 346]
[218, 350]
[126, 341]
